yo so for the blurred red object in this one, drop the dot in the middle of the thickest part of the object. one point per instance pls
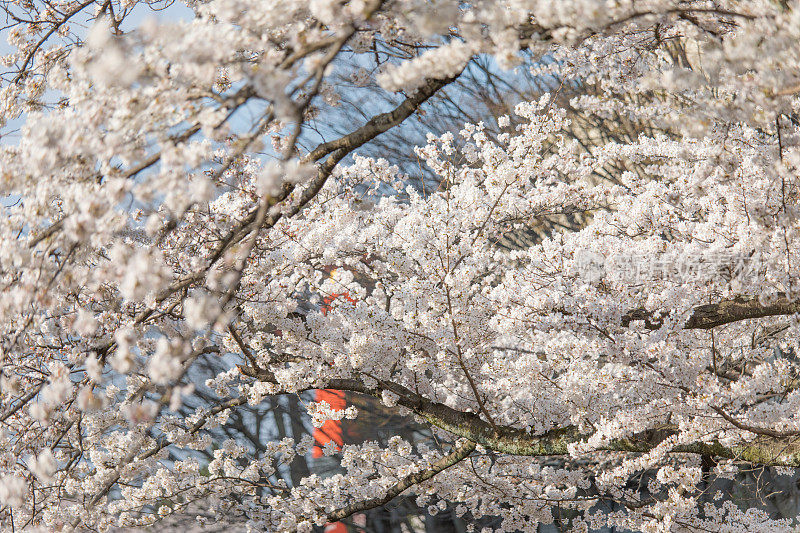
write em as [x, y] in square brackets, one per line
[332, 429]
[336, 527]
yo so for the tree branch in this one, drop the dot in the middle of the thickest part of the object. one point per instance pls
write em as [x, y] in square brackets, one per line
[459, 454]
[753, 429]
[515, 441]
[379, 123]
[717, 314]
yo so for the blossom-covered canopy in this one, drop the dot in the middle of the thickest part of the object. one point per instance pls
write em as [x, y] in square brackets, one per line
[173, 202]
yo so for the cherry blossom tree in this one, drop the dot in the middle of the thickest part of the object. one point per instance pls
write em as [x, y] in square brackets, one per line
[176, 196]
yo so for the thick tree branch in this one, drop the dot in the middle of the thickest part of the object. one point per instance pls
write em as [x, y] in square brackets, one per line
[379, 123]
[515, 441]
[717, 314]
